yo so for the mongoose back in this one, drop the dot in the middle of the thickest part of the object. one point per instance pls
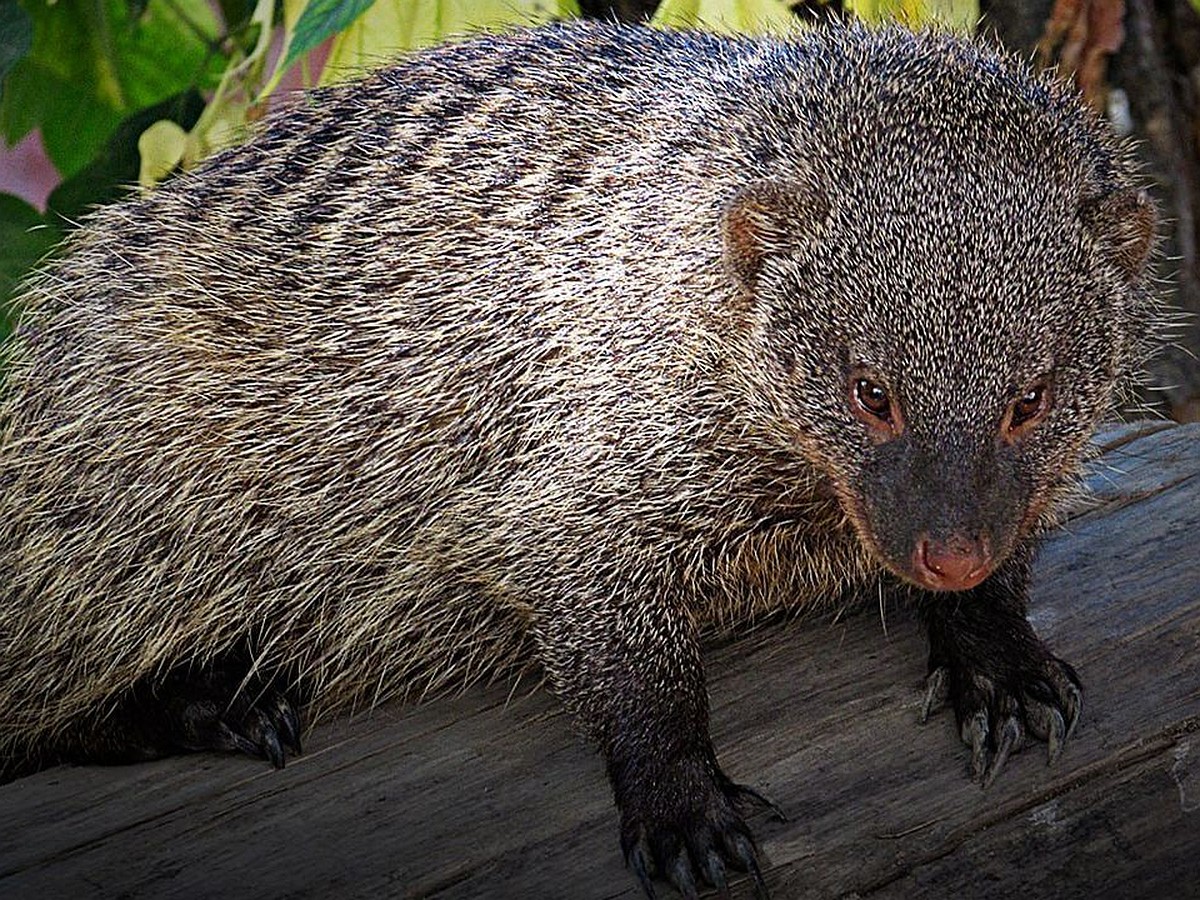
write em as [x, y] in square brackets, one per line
[579, 341]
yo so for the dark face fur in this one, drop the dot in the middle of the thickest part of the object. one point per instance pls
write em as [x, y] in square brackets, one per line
[941, 348]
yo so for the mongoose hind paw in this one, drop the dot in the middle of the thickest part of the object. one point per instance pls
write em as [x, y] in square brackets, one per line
[224, 709]
[216, 706]
[257, 731]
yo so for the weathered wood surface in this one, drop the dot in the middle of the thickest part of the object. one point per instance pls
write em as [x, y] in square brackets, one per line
[489, 795]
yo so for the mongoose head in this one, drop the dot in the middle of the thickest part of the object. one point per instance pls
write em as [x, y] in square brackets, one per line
[942, 305]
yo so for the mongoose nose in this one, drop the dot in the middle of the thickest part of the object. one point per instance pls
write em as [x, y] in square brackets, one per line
[955, 564]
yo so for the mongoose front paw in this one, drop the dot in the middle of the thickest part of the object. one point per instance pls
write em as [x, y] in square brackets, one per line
[996, 709]
[684, 826]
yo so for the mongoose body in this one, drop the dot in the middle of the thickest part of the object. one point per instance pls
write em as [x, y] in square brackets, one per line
[567, 344]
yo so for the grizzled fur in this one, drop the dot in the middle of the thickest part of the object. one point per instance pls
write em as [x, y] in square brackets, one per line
[554, 339]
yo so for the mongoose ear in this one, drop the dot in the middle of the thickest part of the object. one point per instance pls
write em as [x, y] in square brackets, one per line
[773, 217]
[1123, 222]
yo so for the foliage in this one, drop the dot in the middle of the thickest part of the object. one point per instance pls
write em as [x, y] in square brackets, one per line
[92, 63]
[744, 17]
[958, 15]
[16, 35]
[392, 26]
[91, 75]
[23, 236]
[127, 91]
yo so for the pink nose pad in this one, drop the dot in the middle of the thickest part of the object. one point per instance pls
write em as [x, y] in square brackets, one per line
[955, 564]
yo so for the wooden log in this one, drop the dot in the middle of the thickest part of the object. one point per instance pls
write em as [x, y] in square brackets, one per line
[491, 795]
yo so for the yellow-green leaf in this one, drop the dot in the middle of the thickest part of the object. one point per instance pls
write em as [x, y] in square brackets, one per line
[391, 27]
[161, 148]
[726, 16]
[958, 15]
[222, 125]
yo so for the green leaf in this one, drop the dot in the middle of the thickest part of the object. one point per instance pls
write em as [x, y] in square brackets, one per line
[16, 36]
[94, 62]
[392, 27]
[322, 19]
[25, 237]
[726, 16]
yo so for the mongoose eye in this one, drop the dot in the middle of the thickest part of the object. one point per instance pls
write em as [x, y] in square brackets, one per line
[873, 405]
[1029, 409]
[873, 398]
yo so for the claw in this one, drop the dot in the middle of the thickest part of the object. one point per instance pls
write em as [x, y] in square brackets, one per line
[258, 728]
[1034, 693]
[638, 862]
[741, 852]
[714, 871]
[228, 739]
[1055, 721]
[289, 726]
[739, 849]
[975, 736]
[1074, 709]
[760, 886]
[937, 688]
[1009, 740]
[680, 875]
[271, 748]
[761, 799]
[1057, 735]
[1069, 694]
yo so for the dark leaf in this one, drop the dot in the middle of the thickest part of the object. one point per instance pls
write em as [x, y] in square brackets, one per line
[114, 170]
[25, 237]
[16, 36]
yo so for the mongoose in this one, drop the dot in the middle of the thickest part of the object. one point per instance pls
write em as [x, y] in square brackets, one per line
[581, 341]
